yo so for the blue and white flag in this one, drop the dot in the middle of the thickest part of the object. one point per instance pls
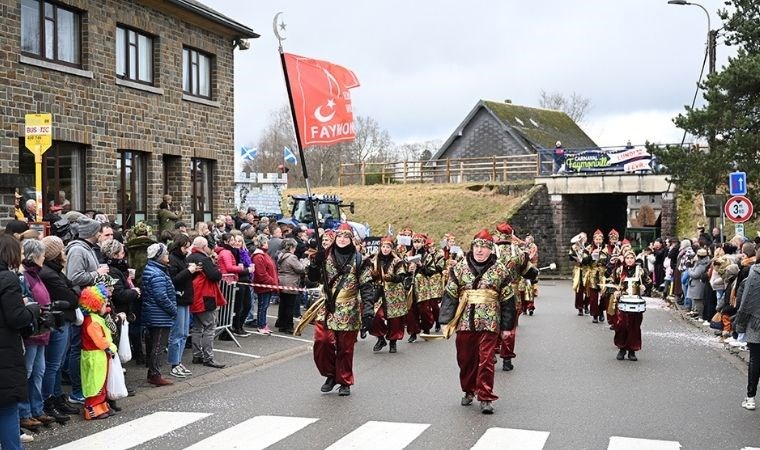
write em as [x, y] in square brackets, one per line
[247, 153]
[290, 157]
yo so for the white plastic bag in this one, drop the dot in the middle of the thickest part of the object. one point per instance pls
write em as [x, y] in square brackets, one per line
[116, 388]
[125, 351]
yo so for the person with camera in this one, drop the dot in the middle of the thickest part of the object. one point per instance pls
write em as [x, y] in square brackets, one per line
[348, 307]
[30, 411]
[56, 403]
[15, 316]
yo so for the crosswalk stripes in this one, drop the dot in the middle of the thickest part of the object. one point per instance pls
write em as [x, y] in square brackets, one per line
[257, 433]
[135, 432]
[511, 439]
[261, 432]
[625, 443]
[381, 436]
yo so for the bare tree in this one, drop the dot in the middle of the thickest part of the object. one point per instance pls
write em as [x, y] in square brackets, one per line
[416, 151]
[575, 106]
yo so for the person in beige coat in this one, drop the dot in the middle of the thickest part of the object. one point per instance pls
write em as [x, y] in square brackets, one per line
[290, 271]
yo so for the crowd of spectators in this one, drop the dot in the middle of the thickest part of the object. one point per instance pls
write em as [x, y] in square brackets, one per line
[165, 286]
[716, 283]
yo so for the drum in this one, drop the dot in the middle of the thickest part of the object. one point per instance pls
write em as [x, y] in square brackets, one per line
[632, 303]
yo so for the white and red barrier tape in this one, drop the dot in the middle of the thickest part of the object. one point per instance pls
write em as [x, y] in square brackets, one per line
[270, 286]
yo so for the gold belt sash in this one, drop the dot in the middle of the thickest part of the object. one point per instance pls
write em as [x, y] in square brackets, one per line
[470, 297]
[345, 296]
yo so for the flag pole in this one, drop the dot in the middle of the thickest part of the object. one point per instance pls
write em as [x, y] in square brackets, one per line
[309, 198]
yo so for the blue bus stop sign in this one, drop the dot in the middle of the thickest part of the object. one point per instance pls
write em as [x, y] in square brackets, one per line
[737, 183]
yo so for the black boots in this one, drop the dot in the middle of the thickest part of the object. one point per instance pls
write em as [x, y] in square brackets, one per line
[328, 385]
[621, 355]
[344, 390]
[393, 347]
[507, 365]
[62, 405]
[50, 410]
[412, 338]
[380, 344]
[632, 356]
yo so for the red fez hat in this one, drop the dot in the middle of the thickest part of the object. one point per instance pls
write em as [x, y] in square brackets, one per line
[504, 228]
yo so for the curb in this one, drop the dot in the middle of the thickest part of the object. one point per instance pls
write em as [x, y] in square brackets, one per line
[192, 384]
[735, 357]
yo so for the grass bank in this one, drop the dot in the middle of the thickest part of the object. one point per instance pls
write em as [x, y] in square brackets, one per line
[434, 209]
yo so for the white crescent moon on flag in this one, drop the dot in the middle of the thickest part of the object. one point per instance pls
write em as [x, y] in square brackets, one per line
[322, 118]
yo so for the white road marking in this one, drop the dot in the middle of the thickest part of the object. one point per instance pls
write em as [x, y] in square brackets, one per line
[135, 432]
[249, 355]
[511, 439]
[624, 443]
[381, 436]
[282, 336]
[257, 433]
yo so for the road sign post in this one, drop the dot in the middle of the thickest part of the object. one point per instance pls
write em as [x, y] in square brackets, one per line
[739, 229]
[38, 137]
[738, 209]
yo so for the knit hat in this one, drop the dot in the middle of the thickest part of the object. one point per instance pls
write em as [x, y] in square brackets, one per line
[179, 224]
[92, 298]
[53, 247]
[155, 251]
[87, 227]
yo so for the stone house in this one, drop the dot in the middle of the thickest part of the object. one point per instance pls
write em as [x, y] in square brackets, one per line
[142, 99]
[504, 129]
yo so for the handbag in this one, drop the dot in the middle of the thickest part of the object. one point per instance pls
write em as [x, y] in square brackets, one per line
[125, 350]
[116, 388]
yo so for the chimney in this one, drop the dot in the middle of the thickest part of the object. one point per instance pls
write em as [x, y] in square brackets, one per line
[508, 101]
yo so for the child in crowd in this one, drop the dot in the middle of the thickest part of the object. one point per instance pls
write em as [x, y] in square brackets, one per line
[97, 348]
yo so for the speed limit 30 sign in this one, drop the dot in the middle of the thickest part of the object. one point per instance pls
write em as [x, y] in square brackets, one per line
[738, 209]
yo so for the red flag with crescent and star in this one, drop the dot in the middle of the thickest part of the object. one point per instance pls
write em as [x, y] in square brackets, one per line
[321, 99]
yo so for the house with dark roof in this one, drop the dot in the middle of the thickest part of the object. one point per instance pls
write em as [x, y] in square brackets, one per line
[504, 129]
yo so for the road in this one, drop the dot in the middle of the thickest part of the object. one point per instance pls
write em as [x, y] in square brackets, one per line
[567, 392]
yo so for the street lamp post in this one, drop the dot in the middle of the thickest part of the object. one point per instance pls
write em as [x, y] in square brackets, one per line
[711, 35]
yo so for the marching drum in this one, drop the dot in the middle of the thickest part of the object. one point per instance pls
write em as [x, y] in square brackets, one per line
[632, 303]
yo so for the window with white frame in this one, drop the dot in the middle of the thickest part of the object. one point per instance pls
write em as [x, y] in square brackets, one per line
[50, 31]
[196, 72]
[134, 55]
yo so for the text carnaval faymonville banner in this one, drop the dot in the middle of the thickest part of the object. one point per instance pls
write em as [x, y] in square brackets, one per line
[626, 160]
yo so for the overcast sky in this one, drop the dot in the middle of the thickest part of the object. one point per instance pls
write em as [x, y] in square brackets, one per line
[423, 65]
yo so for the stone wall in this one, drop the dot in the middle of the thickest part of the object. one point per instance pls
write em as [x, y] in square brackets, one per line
[536, 216]
[94, 108]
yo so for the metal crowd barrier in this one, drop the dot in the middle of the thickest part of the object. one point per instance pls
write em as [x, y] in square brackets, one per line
[225, 314]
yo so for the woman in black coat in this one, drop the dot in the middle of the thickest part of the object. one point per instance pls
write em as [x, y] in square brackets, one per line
[14, 316]
[61, 290]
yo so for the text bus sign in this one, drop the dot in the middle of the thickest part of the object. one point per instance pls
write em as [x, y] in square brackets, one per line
[38, 132]
[738, 209]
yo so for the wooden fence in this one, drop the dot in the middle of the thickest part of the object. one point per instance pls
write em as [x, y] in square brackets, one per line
[464, 170]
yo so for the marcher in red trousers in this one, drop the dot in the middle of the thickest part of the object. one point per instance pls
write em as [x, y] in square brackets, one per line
[478, 303]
